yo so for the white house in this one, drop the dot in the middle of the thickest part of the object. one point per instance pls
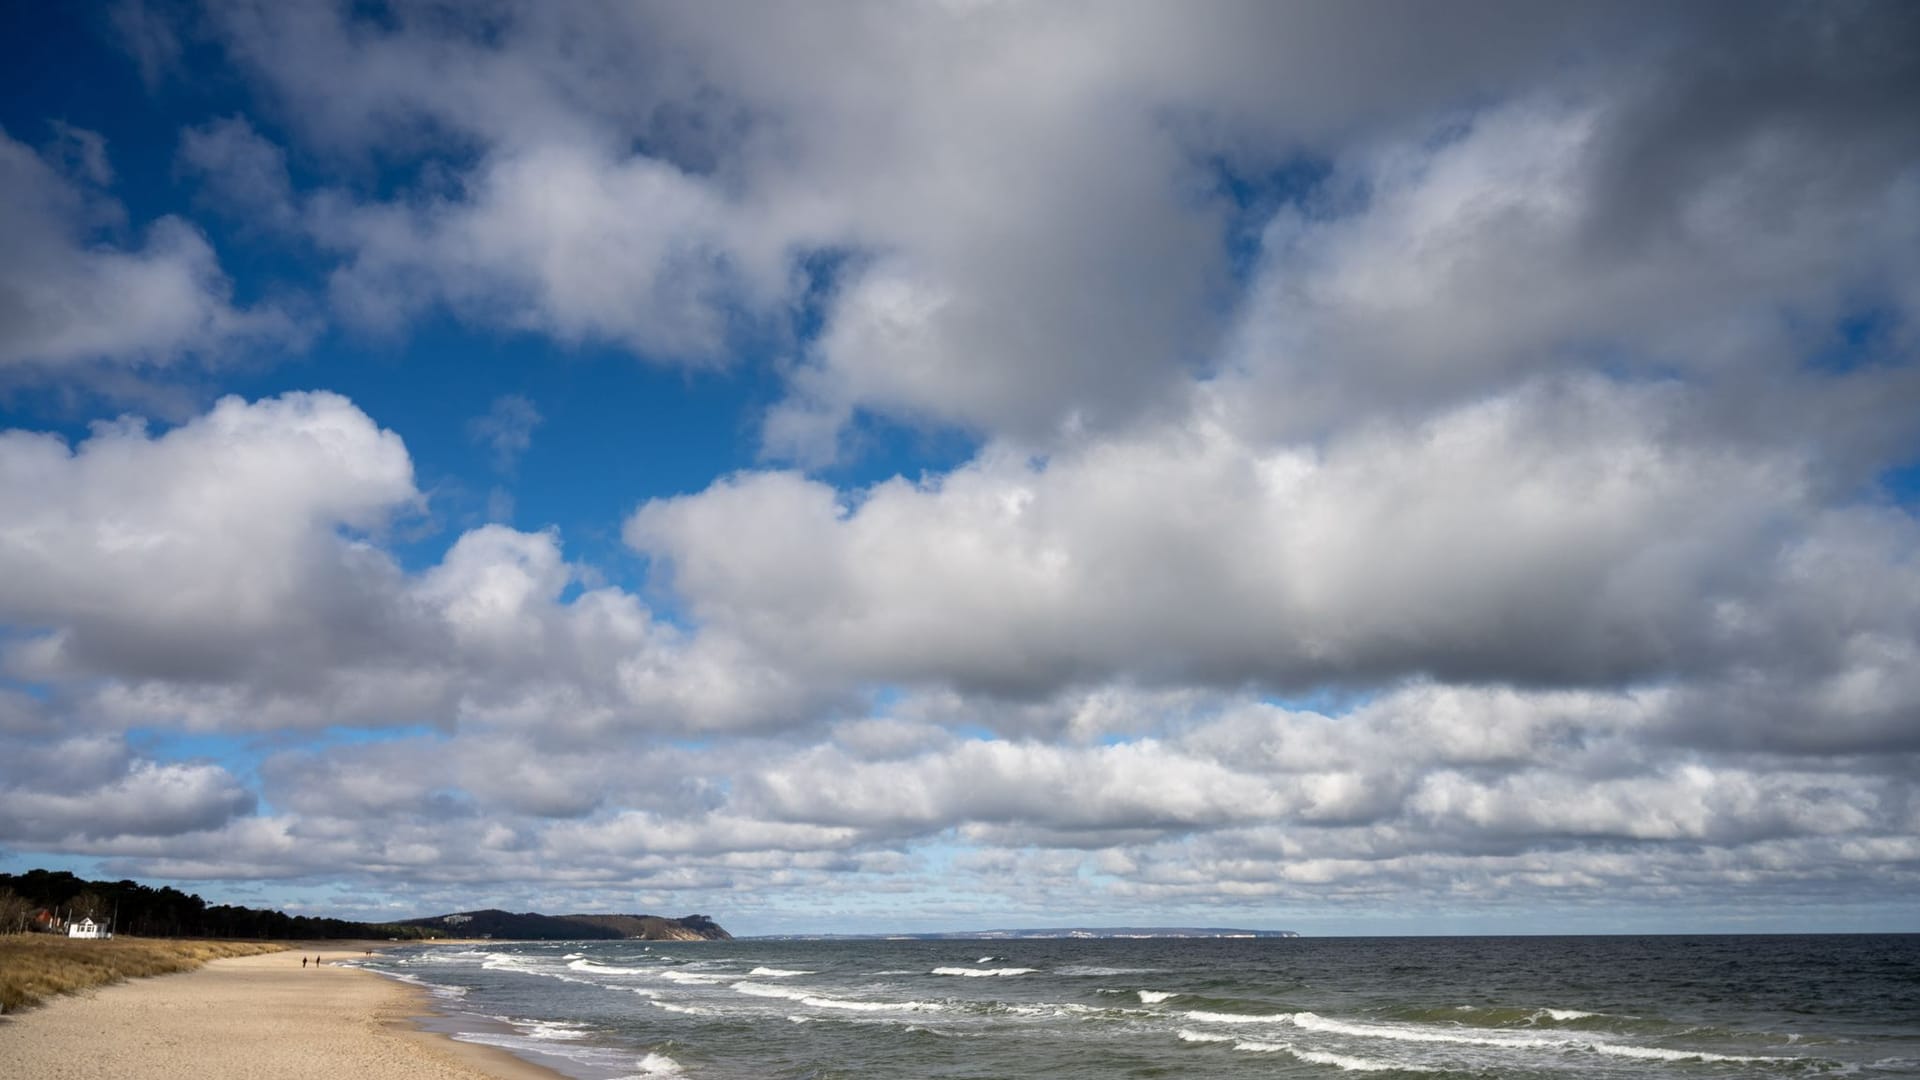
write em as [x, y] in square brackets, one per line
[87, 928]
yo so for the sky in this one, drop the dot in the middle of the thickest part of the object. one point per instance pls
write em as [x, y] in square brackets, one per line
[1366, 468]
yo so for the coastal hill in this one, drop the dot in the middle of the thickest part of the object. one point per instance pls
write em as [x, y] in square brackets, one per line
[533, 926]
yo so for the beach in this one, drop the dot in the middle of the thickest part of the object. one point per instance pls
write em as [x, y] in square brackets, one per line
[248, 1016]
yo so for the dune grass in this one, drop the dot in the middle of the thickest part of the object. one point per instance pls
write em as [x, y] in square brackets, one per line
[35, 967]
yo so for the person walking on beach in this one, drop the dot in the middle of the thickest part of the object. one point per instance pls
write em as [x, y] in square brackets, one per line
[303, 962]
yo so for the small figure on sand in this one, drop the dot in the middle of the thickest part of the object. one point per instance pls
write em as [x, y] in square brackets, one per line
[303, 961]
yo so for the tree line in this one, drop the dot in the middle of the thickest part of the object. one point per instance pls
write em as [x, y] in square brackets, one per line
[145, 911]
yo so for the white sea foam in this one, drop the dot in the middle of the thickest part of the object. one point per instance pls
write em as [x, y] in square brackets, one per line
[821, 1001]
[550, 1029]
[1307, 1021]
[657, 1064]
[604, 969]
[1238, 1018]
[754, 989]
[439, 989]
[1567, 1014]
[684, 1010]
[986, 960]
[977, 972]
[1661, 1053]
[521, 965]
[1347, 1062]
[1155, 997]
[642, 991]
[1066, 1009]
[1317, 1057]
[692, 978]
[872, 1006]
[776, 973]
[573, 956]
[1092, 970]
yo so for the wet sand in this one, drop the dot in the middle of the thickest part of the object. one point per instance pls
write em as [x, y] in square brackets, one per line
[249, 1016]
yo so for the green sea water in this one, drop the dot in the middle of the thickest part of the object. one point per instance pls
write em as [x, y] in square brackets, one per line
[1491, 1008]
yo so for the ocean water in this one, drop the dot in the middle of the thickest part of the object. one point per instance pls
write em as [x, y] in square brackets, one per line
[1489, 1008]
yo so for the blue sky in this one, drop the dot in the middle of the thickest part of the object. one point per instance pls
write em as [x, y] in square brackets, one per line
[927, 466]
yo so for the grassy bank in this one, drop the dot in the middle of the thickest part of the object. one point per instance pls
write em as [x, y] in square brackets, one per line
[35, 967]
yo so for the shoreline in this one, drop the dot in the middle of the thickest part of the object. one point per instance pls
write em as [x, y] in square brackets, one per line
[251, 1016]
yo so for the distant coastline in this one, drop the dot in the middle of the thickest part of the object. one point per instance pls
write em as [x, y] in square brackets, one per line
[1049, 933]
[493, 923]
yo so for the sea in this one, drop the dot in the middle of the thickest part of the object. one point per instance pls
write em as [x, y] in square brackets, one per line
[1491, 1008]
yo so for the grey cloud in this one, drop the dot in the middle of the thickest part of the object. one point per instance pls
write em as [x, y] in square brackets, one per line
[92, 788]
[1028, 195]
[1803, 108]
[1576, 534]
[70, 296]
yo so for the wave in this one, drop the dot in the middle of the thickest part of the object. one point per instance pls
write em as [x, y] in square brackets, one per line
[753, 989]
[1661, 1053]
[1347, 1062]
[1155, 997]
[439, 989]
[563, 1030]
[1078, 970]
[520, 966]
[684, 1010]
[657, 1064]
[693, 978]
[604, 969]
[977, 972]
[599, 1060]
[777, 973]
[1238, 1018]
[1048, 1009]
[821, 1001]
[1307, 1021]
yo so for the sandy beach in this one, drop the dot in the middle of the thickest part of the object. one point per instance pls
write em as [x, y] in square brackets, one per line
[250, 1016]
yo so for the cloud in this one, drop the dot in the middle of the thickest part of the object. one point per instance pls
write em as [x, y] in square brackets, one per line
[195, 552]
[559, 239]
[89, 787]
[229, 574]
[1496, 256]
[1572, 533]
[1010, 221]
[506, 429]
[74, 291]
[246, 175]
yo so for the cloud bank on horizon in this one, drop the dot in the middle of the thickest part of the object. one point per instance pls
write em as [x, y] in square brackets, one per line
[1350, 466]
